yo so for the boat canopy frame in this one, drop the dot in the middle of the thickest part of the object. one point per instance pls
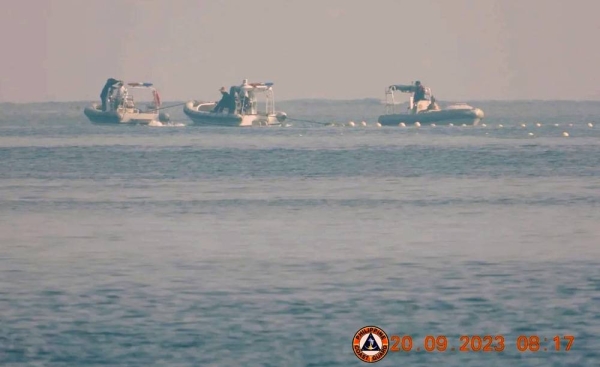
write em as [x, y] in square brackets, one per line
[390, 100]
[127, 101]
[251, 91]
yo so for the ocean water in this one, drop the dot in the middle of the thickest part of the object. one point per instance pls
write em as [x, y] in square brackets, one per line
[188, 246]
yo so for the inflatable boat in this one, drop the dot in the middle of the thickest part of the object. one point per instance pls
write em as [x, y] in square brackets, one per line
[121, 109]
[240, 109]
[426, 111]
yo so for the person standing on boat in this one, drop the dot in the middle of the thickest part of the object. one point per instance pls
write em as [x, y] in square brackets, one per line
[121, 92]
[419, 92]
[235, 94]
[238, 93]
[110, 82]
[224, 102]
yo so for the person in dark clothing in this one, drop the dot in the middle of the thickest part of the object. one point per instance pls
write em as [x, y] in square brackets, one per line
[225, 101]
[419, 92]
[235, 91]
[235, 94]
[104, 94]
[232, 105]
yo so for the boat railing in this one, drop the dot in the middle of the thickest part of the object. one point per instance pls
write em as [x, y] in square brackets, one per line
[269, 102]
[128, 101]
[391, 103]
[248, 105]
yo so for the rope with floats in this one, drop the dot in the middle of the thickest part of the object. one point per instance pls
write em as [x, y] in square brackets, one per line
[288, 119]
[311, 121]
[164, 108]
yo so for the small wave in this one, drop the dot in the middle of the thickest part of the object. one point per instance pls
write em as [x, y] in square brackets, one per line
[166, 124]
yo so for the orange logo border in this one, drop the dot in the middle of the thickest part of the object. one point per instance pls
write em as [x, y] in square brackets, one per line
[384, 344]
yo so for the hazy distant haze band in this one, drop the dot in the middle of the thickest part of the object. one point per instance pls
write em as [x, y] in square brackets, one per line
[64, 50]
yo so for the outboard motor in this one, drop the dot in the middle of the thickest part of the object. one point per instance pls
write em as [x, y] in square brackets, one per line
[164, 117]
[281, 116]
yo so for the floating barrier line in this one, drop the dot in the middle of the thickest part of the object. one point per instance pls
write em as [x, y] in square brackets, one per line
[310, 121]
[163, 108]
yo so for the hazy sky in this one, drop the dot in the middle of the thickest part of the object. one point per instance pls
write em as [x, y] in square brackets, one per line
[64, 50]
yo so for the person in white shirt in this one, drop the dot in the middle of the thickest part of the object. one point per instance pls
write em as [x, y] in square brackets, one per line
[117, 93]
[121, 93]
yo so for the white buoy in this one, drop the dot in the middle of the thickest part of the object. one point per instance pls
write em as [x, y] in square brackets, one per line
[538, 124]
[432, 125]
[450, 124]
[571, 125]
[351, 123]
[590, 124]
[530, 134]
[556, 125]
[523, 125]
[483, 125]
[500, 125]
[402, 124]
[378, 124]
[565, 134]
[464, 125]
[363, 123]
[417, 124]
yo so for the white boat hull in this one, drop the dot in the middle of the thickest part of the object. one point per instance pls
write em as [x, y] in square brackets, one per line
[201, 114]
[449, 116]
[121, 116]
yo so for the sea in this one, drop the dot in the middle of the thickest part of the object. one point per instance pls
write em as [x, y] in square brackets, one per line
[179, 245]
